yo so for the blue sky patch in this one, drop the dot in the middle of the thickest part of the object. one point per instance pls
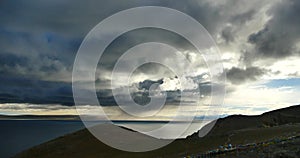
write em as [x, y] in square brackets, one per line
[293, 82]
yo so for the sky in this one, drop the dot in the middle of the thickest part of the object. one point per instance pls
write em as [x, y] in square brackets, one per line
[259, 43]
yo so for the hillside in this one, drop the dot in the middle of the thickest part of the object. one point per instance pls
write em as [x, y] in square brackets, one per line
[237, 130]
[278, 117]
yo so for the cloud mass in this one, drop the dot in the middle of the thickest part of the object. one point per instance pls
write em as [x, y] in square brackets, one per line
[259, 42]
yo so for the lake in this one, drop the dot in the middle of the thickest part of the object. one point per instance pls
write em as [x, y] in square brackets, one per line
[18, 135]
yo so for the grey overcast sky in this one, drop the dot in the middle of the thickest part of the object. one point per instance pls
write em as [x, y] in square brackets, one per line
[259, 42]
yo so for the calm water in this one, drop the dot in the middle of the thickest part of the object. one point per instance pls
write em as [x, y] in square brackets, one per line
[19, 135]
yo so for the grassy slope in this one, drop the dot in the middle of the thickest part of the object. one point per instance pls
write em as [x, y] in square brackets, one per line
[236, 129]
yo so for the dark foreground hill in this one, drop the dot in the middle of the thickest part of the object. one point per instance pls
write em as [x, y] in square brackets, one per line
[231, 136]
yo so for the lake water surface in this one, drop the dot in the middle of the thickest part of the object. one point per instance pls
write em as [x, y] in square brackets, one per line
[18, 135]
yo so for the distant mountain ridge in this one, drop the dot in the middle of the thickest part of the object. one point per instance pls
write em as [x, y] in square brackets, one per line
[39, 117]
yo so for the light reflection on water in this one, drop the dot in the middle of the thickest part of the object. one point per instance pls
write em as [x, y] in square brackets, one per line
[171, 134]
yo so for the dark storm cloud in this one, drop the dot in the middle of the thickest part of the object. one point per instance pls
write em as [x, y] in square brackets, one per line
[139, 36]
[154, 69]
[227, 34]
[76, 18]
[102, 83]
[148, 83]
[280, 35]
[234, 23]
[42, 56]
[24, 90]
[12, 60]
[237, 75]
[142, 95]
[244, 17]
[203, 88]
[39, 41]
[48, 34]
[68, 17]
[73, 19]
